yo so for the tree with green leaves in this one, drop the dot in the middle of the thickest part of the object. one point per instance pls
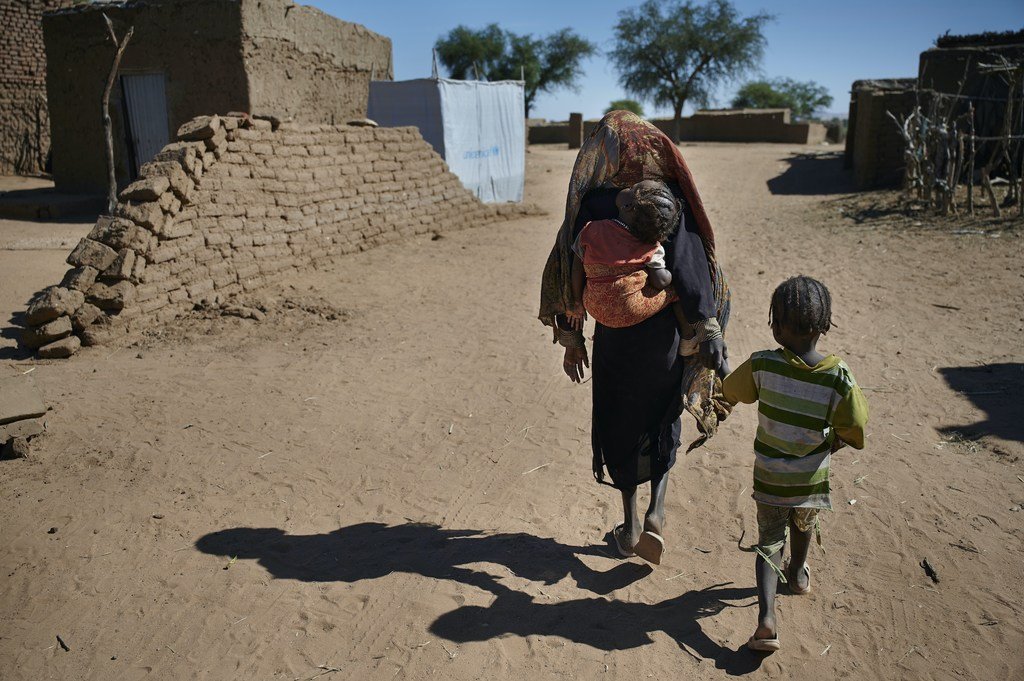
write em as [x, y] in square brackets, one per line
[626, 105]
[674, 52]
[545, 64]
[802, 98]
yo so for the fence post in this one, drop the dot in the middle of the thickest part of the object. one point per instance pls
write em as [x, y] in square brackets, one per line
[575, 130]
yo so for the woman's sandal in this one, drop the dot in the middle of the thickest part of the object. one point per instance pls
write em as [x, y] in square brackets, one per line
[617, 534]
[793, 588]
[650, 547]
[764, 645]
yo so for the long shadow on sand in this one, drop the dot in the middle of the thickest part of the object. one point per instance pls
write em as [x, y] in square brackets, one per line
[374, 550]
[996, 389]
[813, 175]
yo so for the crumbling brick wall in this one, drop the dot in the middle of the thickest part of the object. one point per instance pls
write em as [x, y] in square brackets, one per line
[24, 122]
[235, 205]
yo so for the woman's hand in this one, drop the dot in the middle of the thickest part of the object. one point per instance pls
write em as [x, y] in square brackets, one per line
[714, 355]
[574, 361]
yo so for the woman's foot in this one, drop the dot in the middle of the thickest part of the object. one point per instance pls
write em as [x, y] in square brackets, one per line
[624, 543]
[799, 581]
[765, 638]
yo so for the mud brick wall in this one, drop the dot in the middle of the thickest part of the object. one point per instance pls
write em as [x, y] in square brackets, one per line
[878, 152]
[24, 122]
[235, 205]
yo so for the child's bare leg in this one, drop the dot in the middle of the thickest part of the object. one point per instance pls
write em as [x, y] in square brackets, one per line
[799, 545]
[654, 520]
[630, 519]
[767, 586]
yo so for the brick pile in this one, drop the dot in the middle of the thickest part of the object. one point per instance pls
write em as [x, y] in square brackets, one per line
[24, 123]
[238, 203]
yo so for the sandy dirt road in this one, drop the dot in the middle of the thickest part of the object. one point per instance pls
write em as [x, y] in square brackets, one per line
[389, 477]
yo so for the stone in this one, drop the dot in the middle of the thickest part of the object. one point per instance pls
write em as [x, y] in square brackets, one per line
[147, 215]
[60, 349]
[199, 128]
[122, 266]
[97, 334]
[16, 448]
[178, 179]
[33, 338]
[111, 298]
[182, 153]
[85, 316]
[25, 429]
[53, 302]
[146, 189]
[19, 399]
[80, 278]
[92, 253]
[217, 141]
[119, 233]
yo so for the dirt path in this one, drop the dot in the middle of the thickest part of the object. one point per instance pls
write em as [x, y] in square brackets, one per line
[389, 477]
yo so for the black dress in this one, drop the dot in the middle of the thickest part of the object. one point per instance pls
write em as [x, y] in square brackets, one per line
[637, 371]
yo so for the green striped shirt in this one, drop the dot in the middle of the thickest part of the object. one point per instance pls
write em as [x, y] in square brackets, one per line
[801, 412]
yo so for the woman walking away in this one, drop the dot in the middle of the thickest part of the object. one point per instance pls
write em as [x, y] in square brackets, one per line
[641, 383]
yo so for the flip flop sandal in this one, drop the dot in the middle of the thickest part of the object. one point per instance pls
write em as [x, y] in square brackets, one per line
[764, 645]
[623, 551]
[797, 591]
[650, 547]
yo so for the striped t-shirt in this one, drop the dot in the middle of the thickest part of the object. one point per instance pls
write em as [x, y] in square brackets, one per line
[801, 412]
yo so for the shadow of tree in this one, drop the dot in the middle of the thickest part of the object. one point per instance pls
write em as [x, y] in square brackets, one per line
[812, 175]
[374, 550]
[996, 389]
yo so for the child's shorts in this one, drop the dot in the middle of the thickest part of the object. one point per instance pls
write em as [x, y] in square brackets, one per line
[773, 524]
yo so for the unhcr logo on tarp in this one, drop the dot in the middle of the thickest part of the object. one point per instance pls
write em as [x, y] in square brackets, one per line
[482, 153]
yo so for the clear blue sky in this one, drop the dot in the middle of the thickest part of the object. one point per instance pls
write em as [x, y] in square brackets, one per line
[828, 41]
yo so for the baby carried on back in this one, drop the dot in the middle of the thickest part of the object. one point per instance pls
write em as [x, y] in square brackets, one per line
[619, 269]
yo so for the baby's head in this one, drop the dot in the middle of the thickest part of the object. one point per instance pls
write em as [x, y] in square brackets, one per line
[649, 209]
[801, 308]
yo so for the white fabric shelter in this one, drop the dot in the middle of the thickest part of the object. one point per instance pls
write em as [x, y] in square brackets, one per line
[477, 127]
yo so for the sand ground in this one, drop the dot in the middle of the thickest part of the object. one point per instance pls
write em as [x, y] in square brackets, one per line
[389, 477]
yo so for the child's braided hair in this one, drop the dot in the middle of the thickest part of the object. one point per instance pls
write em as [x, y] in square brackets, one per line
[657, 213]
[802, 304]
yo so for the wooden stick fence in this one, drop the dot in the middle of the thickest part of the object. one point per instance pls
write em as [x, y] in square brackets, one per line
[943, 149]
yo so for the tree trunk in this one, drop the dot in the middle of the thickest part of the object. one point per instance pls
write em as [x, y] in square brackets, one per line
[107, 127]
[677, 116]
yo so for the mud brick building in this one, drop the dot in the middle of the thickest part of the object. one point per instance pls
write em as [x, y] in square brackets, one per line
[24, 124]
[874, 148]
[193, 57]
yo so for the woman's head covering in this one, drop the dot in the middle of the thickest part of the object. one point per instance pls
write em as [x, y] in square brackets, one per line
[622, 150]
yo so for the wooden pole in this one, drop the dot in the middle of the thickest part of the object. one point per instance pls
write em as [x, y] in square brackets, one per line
[107, 127]
[970, 166]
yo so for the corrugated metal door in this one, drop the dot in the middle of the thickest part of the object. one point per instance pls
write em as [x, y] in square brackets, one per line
[145, 103]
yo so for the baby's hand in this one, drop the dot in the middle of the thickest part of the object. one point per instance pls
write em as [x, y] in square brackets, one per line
[576, 317]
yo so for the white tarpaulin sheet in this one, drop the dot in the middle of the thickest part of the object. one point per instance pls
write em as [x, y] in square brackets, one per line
[476, 126]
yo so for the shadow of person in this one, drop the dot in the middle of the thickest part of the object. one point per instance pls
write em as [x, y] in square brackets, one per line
[995, 389]
[813, 174]
[608, 625]
[374, 550]
[13, 332]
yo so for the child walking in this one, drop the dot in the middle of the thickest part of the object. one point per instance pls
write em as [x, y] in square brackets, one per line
[809, 406]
